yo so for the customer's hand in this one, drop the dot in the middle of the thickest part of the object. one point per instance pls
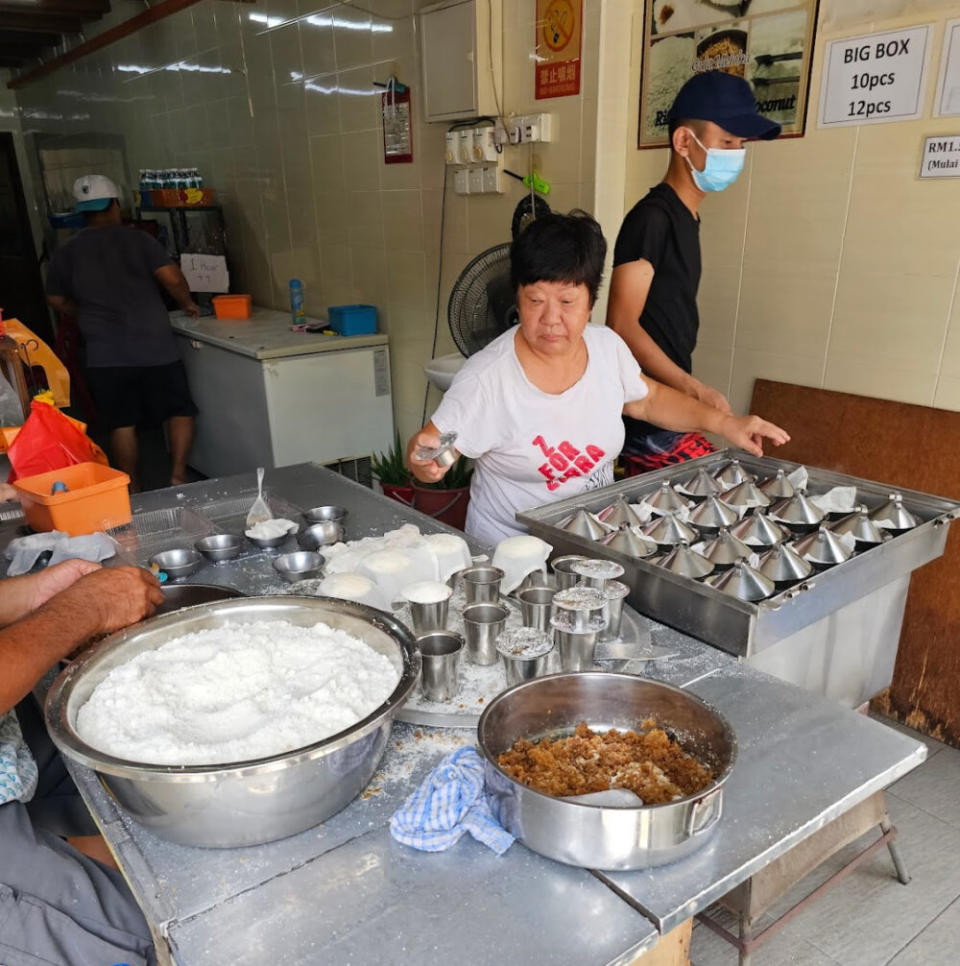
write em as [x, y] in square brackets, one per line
[748, 432]
[426, 471]
[117, 596]
[707, 394]
[192, 309]
[56, 579]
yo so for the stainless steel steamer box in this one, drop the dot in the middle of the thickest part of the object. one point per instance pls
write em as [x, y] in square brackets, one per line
[849, 614]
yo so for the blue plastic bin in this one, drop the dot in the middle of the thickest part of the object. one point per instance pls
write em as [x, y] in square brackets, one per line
[353, 319]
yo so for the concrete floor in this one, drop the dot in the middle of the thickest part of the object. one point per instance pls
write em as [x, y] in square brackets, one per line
[870, 919]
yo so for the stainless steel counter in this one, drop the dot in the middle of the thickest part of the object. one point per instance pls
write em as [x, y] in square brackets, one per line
[345, 892]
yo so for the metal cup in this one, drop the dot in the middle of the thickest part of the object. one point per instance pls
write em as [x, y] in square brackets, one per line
[482, 625]
[576, 650]
[561, 568]
[481, 585]
[429, 616]
[616, 592]
[440, 656]
[519, 668]
[536, 578]
[535, 606]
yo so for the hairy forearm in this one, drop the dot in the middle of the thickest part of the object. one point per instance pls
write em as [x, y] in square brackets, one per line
[30, 646]
[18, 599]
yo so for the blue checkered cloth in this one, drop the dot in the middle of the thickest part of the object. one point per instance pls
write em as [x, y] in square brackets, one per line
[449, 802]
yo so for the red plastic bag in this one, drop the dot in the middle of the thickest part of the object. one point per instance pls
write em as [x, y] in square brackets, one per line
[49, 441]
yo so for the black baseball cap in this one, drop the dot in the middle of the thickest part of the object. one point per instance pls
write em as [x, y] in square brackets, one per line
[725, 99]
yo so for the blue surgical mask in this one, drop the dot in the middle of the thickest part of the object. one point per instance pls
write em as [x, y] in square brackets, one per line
[723, 167]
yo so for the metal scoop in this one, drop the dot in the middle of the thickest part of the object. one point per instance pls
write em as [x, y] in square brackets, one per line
[260, 511]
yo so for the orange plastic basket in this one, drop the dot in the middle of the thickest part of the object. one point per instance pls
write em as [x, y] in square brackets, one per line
[231, 306]
[97, 498]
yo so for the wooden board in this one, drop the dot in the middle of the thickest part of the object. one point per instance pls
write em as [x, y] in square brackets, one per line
[908, 446]
[673, 949]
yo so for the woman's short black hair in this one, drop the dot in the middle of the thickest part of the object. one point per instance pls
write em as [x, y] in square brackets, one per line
[560, 248]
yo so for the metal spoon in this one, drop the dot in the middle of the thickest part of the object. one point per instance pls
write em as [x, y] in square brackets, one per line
[609, 798]
[260, 511]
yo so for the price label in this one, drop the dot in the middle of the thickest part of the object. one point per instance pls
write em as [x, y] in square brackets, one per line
[875, 78]
[941, 157]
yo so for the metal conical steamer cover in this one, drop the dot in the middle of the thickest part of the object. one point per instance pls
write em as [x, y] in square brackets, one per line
[859, 525]
[665, 499]
[686, 562]
[797, 510]
[620, 514]
[823, 547]
[893, 515]
[701, 484]
[782, 564]
[725, 549]
[746, 494]
[742, 581]
[584, 524]
[778, 487]
[759, 531]
[714, 513]
[732, 475]
[630, 542]
[668, 531]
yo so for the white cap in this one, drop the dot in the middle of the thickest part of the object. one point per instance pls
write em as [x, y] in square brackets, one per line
[94, 192]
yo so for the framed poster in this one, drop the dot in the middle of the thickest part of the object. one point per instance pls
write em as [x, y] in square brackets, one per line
[557, 48]
[947, 103]
[767, 42]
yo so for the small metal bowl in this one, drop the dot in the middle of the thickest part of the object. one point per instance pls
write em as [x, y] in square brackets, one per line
[177, 563]
[301, 565]
[220, 546]
[319, 535]
[321, 514]
[269, 543]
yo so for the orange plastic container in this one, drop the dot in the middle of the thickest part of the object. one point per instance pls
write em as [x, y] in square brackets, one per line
[97, 498]
[231, 306]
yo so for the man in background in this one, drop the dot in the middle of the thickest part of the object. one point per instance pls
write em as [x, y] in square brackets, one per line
[653, 289]
[109, 277]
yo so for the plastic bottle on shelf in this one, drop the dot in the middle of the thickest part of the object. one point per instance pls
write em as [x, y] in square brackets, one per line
[298, 314]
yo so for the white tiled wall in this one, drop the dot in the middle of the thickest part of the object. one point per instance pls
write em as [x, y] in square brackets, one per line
[284, 123]
[830, 263]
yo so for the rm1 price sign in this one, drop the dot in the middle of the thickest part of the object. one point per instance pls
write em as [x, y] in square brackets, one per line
[875, 78]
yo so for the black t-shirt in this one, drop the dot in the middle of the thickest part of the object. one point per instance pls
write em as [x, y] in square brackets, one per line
[663, 230]
[108, 273]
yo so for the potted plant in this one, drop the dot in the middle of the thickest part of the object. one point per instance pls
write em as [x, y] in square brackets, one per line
[390, 471]
[447, 499]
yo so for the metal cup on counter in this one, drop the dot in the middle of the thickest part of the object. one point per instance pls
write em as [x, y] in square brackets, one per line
[563, 570]
[535, 605]
[615, 592]
[481, 585]
[580, 614]
[440, 656]
[525, 653]
[429, 603]
[596, 573]
[482, 625]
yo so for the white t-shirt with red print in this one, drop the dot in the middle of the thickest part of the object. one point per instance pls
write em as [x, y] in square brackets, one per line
[532, 447]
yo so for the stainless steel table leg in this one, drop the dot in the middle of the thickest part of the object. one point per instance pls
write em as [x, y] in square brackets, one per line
[902, 874]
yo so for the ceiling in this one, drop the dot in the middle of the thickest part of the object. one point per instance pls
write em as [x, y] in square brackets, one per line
[33, 29]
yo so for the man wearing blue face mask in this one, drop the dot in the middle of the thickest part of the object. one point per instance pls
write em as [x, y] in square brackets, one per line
[653, 289]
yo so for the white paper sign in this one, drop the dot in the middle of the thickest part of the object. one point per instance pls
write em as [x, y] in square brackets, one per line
[941, 157]
[948, 87]
[205, 273]
[875, 78]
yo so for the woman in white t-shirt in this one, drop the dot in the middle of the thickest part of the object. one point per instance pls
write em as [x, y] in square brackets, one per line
[540, 407]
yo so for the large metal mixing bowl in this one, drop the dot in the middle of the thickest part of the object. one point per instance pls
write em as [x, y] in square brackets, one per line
[248, 802]
[598, 836]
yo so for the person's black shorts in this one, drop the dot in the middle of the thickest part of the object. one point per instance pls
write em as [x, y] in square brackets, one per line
[140, 395]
